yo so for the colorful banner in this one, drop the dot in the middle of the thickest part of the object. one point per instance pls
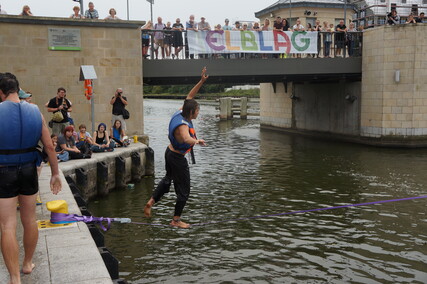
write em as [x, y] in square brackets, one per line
[207, 42]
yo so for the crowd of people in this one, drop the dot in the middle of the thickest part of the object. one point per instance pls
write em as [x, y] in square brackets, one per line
[72, 144]
[163, 37]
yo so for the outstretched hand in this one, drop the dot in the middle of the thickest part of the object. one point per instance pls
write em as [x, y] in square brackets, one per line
[55, 184]
[204, 75]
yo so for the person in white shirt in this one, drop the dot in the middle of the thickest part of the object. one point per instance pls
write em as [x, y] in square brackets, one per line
[298, 27]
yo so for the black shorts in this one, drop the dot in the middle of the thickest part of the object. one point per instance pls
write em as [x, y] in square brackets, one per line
[18, 180]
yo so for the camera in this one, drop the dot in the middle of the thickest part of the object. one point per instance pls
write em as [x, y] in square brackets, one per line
[119, 93]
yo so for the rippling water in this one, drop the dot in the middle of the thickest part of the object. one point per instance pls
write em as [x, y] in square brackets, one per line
[246, 172]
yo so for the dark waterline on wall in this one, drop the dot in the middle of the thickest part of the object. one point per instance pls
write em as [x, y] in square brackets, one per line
[245, 171]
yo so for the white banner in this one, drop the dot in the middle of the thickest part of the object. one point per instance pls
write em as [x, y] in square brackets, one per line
[207, 42]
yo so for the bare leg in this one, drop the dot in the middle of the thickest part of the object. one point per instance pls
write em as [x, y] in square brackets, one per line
[9, 244]
[147, 208]
[31, 232]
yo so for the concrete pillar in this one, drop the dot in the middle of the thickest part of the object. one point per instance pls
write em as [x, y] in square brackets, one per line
[225, 111]
[276, 107]
[244, 108]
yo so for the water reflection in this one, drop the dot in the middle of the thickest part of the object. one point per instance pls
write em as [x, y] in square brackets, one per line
[247, 172]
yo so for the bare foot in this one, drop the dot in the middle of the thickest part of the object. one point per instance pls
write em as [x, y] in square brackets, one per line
[147, 210]
[27, 269]
[178, 223]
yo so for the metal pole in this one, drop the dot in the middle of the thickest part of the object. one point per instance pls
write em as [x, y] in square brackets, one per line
[345, 12]
[152, 26]
[128, 8]
[81, 8]
[290, 14]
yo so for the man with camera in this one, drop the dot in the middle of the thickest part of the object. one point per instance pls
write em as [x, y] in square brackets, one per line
[119, 102]
[60, 107]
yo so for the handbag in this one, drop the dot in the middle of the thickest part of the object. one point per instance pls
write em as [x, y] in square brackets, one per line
[125, 114]
[57, 116]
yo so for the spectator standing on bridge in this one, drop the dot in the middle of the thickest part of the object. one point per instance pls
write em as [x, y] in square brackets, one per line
[340, 31]
[62, 105]
[203, 26]
[76, 14]
[119, 102]
[21, 127]
[420, 19]
[410, 20]
[168, 39]
[393, 18]
[327, 39]
[91, 13]
[226, 27]
[26, 11]
[191, 25]
[145, 38]
[159, 38]
[112, 15]
[318, 28]
[178, 44]
[351, 36]
[182, 138]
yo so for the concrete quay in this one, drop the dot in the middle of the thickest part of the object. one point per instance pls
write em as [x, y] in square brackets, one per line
[69, 254]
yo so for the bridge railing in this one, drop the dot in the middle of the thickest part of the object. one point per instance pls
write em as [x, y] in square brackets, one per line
[175, 46]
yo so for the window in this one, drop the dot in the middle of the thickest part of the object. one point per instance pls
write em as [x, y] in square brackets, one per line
[312, 21]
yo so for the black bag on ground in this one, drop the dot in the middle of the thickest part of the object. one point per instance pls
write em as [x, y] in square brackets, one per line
[126, 114]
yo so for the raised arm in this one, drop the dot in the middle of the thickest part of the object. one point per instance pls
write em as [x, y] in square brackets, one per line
[197, 87]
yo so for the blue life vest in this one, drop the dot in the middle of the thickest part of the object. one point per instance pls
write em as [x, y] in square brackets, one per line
[20, 132]
[178, 120]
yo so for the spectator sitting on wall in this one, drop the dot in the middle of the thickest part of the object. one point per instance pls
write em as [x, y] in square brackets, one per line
[26, 11]
[23, 96]
[102, 141]
[76, 14]
[112, 15]
[410, 20]
[118, 135]
[2, 12]
[393, 18]
[178, 43]
[61, 154]
[83, 137]
[420, 19]
[67, 143]
[119, 102]
[60, 103]
[91, 13]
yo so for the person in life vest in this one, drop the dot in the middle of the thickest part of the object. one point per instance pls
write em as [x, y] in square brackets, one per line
[21, 127]
[182, 137]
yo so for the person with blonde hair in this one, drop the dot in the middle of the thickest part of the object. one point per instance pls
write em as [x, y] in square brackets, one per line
[76, 14]
[112, 15]
[26, 11]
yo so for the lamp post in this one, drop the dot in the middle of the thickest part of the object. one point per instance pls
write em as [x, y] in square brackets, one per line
[127, 2]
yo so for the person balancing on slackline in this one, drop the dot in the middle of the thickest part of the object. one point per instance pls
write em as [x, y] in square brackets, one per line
[182, 137]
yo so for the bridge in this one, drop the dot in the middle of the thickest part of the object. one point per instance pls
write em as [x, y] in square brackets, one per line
[252, 71]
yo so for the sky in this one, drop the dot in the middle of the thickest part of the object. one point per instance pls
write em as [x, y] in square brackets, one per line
[214, 11]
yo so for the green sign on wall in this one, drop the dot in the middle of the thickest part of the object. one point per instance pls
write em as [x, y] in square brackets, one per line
[64, 39]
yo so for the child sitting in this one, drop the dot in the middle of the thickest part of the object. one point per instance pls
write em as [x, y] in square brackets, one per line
[61, 154]
[118, 134]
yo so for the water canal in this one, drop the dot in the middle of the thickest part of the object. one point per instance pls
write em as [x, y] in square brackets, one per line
[248, 172]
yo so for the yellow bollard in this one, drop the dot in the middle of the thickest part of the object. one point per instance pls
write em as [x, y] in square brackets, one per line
[135, 139]
[57, 206]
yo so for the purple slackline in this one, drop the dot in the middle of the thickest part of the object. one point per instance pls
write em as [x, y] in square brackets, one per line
[289, 213]
[61, 218]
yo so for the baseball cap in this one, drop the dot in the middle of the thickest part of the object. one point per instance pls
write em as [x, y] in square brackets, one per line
[23, 95]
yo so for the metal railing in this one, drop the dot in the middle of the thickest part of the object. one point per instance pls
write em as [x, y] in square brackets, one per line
[175, 46]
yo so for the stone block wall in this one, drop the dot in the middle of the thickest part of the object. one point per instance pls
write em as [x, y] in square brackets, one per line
[276, 107]
[114, 49]
[390, 109]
